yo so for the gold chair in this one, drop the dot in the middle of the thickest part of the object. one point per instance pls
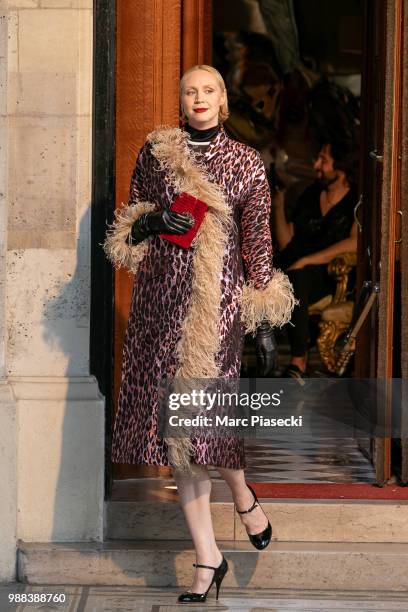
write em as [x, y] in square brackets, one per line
[335, 311]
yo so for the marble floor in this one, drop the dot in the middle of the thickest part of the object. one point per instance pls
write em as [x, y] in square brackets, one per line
[298, 459]
[140, 599]
[305, 459]
[308, 460]
[281, 461]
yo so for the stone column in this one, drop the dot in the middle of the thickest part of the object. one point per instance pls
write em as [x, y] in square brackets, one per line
[59, 412]
[8, 440]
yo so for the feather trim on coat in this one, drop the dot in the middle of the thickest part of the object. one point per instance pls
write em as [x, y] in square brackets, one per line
[117, 245]
[273, 303]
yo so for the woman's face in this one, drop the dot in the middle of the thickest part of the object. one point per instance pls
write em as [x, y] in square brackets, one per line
[201, 99]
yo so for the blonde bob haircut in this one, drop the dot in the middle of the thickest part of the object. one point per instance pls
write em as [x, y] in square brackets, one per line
[223, 113]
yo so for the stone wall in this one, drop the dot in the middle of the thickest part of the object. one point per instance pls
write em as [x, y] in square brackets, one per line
[49, 148]
[45, 191]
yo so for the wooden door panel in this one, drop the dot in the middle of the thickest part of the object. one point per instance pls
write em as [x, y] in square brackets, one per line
[155, 40]
[147, 73]
[197, 28]
[403, 248]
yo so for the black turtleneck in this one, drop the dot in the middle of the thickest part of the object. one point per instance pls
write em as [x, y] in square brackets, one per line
[202, 135]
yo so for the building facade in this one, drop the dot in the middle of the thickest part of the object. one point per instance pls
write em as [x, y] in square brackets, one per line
[52, 413]
[64, 78]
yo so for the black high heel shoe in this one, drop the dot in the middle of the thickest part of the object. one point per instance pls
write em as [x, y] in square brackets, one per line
[259, 540]
[219, 573]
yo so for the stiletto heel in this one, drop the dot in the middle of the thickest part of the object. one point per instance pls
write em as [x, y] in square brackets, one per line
[259, 540]
[217, 587]
[219, 573]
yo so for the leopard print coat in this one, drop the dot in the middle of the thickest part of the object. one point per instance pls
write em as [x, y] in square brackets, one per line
[162, 294]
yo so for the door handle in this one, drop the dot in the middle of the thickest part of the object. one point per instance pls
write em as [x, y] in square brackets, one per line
[376, 156]
[357, 206]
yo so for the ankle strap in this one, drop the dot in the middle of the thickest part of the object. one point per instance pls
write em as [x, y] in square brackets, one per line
[206, 566]
[254, 505]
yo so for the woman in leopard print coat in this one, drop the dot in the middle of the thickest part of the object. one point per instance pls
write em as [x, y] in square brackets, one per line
[191, 307]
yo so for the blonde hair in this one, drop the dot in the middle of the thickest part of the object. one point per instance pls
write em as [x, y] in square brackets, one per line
[223, 113]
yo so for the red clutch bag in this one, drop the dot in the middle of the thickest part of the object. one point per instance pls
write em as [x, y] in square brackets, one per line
[186, 203]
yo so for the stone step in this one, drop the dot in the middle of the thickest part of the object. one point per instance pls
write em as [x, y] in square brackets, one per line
[292, 521]
[283, 565]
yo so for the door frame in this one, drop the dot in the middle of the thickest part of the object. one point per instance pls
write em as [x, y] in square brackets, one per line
[114, 154]
[102, 210]
[391, 203]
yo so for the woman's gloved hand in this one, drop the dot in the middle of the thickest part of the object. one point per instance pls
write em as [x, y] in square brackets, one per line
[161, 222]
[266, 349]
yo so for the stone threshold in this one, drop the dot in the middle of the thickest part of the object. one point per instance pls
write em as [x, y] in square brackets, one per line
[292, 521]
[283, 565]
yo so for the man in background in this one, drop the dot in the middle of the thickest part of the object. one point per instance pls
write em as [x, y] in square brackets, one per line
[321, 227]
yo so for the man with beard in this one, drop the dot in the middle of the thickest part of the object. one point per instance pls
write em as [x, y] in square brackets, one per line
[321, 227]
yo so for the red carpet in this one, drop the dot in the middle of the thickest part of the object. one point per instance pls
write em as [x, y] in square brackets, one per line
[329, 491]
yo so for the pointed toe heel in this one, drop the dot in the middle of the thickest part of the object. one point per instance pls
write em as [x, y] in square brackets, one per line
[219, 573]
[259, 540]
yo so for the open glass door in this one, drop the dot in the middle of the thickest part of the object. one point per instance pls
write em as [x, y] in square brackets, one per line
[377, 355]
[368, 211]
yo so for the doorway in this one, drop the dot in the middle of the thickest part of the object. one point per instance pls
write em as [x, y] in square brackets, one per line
[293, 72]
[315, 47]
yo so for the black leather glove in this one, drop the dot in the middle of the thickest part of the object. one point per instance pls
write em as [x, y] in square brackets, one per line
[266, 349]
[161, 222]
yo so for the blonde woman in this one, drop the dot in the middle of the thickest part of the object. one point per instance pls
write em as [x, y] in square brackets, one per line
[192, 306]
